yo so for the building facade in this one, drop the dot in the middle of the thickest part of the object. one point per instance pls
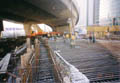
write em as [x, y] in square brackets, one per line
[88, 12]
[93, 12]
[109, 12]
[96, 11]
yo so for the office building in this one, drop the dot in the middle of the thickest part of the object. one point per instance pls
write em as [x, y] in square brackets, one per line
[109, 12]
[93, 12]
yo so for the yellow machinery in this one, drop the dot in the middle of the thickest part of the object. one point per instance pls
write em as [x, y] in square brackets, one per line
[102, 31]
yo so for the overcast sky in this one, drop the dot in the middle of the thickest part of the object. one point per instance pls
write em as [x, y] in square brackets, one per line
[45, 27]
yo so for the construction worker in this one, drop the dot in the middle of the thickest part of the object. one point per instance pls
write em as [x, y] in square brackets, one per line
[90, 38]
[72, 41]
[93, 38]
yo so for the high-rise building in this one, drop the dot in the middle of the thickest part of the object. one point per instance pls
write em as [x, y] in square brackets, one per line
[109, 12]
[96, 11]
[93, 12]
[88, 12]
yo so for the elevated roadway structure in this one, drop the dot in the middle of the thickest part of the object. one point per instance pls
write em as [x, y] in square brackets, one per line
[54, 13]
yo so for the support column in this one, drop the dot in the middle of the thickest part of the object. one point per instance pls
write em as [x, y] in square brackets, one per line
[1, 26]
[62, 29]
[27, 28]
[54, 29]
[70, 29]
[28, 42]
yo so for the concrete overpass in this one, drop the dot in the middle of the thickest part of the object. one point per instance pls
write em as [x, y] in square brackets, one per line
[54, 13]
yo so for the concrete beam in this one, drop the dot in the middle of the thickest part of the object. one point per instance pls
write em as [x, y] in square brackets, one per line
[54, 29]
